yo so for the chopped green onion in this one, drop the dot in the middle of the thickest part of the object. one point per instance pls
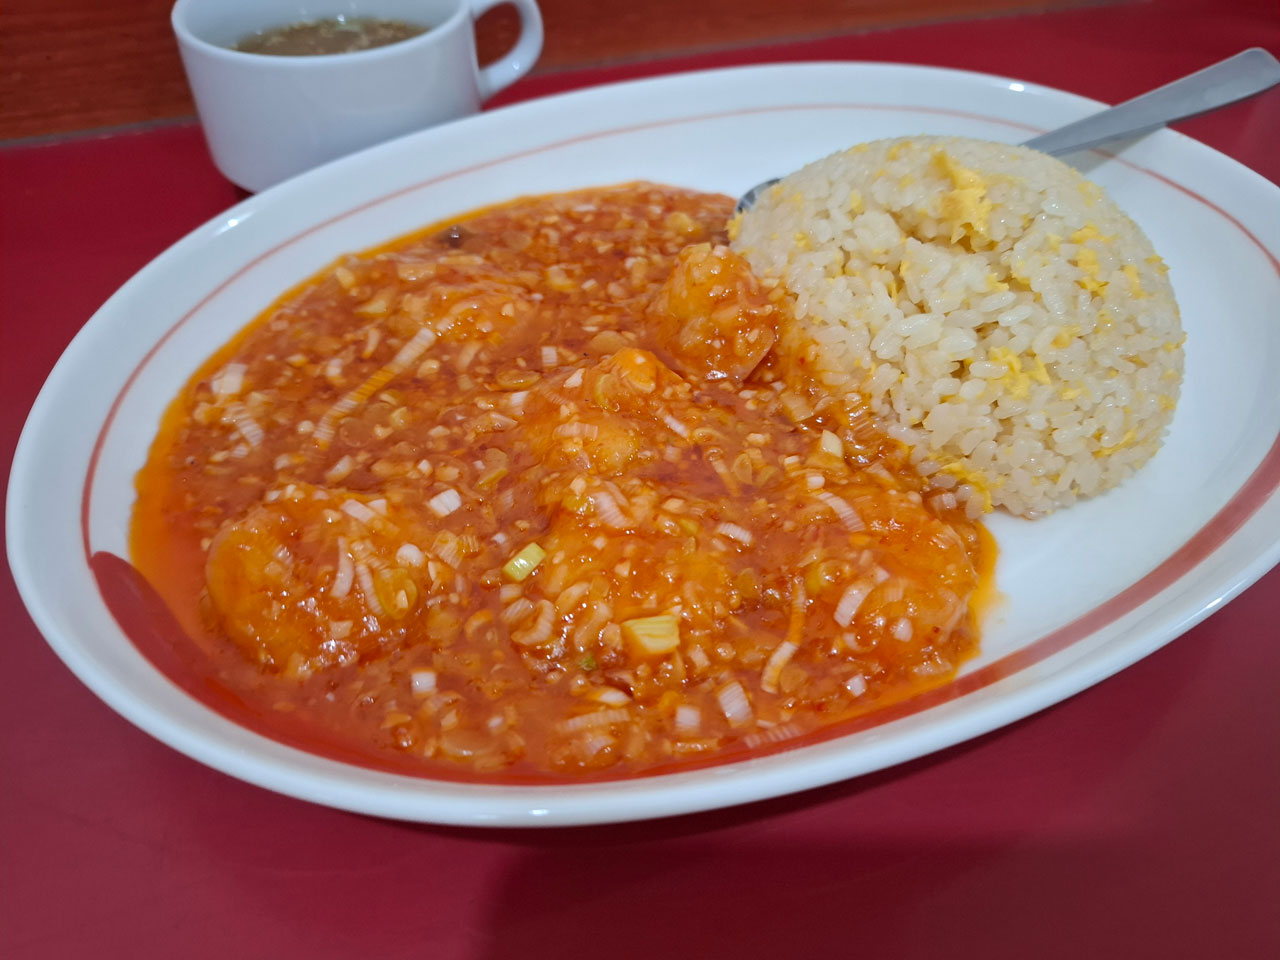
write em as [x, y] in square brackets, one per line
[653, 635]
[524, 562]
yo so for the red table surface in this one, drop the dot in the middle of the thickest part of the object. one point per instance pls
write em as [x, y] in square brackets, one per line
[1138, 819]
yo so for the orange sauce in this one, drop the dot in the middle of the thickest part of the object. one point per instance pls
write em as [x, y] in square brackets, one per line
[545, 493]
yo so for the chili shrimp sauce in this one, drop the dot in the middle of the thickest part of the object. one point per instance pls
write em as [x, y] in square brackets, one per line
[546, 493]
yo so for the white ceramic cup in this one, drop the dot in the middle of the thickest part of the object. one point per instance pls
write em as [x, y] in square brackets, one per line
[269, 117]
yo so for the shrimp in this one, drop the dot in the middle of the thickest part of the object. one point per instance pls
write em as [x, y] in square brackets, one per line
[309, 577]
[713, 317]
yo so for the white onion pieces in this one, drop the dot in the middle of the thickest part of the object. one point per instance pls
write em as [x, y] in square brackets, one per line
[577, 429]
[831, 444]
[340, 470]
[540, 632]
[410, 556]
[782, 653]
[678, 428]
[423, 682]
[249, 428]
[785, 731]
[735, 532]
[346, 572]
[850, 601]
[365, 579]
[445, 502]
[610, 696]
[404, 358]
[230, 381]
[589, 721]
[688, 718]
[607, 510]
[734, 704]
[594, 742]
[848, 516]
[412, 350]
[358, 511]
[517, 611]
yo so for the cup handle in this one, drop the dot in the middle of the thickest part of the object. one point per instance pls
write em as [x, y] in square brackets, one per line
[522, 56]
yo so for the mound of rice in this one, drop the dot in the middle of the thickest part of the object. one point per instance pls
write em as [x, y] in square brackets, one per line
[1001, 314]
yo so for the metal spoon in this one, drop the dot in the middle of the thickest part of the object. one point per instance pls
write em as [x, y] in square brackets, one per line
[1225, 82]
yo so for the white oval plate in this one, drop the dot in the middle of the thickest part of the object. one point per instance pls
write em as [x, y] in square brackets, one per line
[1089, 590]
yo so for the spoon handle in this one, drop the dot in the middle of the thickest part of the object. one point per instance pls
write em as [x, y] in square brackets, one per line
[1232, 79]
